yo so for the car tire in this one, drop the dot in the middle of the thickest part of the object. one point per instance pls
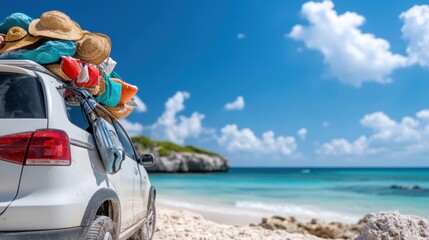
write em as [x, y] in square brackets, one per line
[150, 224]
[147, 231]
[102, 228]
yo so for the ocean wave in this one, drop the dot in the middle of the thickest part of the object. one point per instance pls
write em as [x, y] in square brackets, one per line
[298, 211]
[259, 209]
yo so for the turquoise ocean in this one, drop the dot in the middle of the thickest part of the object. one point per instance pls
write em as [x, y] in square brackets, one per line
[343, 194]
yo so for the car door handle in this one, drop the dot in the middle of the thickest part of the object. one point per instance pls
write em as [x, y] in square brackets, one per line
[136, 171]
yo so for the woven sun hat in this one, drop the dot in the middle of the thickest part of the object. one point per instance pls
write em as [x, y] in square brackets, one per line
[57, 71]
[2, 40]
[93, 48]
[17, 38]
[55, 24]
[120, 111]
[102, 85]
[93, 90]
[99, 89]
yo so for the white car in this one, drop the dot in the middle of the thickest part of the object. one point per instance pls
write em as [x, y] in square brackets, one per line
[53, 184]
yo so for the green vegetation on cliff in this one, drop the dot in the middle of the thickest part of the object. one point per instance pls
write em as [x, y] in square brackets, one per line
[164, 147]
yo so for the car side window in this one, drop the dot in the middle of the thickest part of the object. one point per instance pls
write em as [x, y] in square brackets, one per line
[78, 117]
[126, 142]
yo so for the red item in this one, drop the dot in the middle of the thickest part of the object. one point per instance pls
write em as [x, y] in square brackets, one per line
[70, 67]
[89, 75]
[94, 74]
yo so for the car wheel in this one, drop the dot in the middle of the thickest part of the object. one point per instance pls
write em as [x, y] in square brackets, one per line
[147, 231]
[150, 224]
[102, 228]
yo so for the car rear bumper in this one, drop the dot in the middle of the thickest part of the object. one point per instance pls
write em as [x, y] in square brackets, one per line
[57, 234]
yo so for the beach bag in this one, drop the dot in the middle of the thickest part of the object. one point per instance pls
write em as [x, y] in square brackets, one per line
[106, 138]
[128, 91]
[48, 52]
[70, 67]
[112, 93]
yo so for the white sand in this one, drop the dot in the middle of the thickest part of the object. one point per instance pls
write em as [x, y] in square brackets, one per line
[184, 225]
[220, 215]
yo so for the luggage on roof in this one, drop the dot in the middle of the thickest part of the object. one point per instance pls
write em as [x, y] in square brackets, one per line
[78, 57]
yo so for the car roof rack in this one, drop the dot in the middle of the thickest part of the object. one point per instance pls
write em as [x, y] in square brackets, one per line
[27, 64]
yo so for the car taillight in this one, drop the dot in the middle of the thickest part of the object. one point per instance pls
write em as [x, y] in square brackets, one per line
[49, 147]
[13, 147]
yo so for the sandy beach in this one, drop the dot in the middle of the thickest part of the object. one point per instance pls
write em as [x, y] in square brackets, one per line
[174, 224]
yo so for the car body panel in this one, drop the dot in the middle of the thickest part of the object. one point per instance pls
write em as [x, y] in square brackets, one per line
[58, 197]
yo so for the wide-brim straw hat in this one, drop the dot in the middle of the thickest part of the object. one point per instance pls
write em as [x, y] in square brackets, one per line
[56, 69]
[99, 89]
[93, 48]
[2, 40]
[17, 38]
[120, 111]
[55, 24]
[93, 90]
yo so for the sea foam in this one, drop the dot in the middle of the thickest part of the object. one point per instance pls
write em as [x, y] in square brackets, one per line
[259, 209]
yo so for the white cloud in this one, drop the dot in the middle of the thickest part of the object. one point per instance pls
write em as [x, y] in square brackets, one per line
[175, 128]
[244, 140]
[341, 146]
[352, 56]
[302, 133]
[405, 137]
[238, 104]
[132, 129]
[415, 30]
[241, 35]
[141, 106]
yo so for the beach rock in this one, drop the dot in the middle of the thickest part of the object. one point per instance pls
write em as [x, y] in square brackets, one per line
[177, 162]
[394, 226]
[316, 227]
[415, 187]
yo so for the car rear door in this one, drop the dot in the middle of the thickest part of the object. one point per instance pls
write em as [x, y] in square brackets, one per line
[22, 111]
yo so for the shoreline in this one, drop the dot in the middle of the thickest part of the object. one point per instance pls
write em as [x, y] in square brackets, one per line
[253, 214]
[227, 218]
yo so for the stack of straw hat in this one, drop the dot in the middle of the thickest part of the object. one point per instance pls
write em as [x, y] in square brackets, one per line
[19, 34]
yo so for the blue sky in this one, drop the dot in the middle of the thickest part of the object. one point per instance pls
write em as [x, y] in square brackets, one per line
[319, 86]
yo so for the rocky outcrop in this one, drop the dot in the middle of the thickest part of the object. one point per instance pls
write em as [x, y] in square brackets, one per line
[380, 226]
[177, 162]
[394, 226]
[331, 230]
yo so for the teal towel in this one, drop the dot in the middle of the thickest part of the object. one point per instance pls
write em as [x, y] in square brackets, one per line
[15, 20]
[48, 52]
[112, 94]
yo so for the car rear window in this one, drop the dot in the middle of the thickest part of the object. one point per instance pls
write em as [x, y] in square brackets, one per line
[21, 96]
